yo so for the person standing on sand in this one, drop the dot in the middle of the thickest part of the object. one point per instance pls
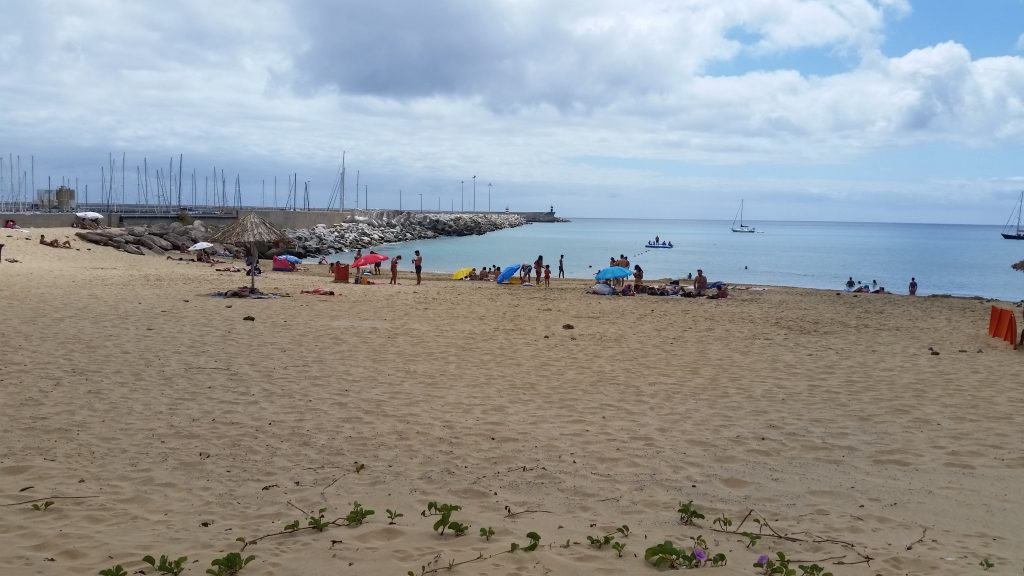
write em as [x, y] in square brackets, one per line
[538, 267]
[417, 261]
[913, 286]
[394, 269]
[700, 283]
[561, 266]
[547, 275]
[638, 276]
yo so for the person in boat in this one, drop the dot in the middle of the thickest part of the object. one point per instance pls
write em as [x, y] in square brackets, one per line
[669, 244]
[656, 239]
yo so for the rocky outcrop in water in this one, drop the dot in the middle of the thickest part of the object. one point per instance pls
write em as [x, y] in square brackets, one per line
[371, 229]
[386, 227]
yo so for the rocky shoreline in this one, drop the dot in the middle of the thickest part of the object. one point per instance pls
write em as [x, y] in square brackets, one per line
[363, 231]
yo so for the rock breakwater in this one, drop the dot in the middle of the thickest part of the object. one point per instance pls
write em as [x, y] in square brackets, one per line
[388, 227]
[362, 231]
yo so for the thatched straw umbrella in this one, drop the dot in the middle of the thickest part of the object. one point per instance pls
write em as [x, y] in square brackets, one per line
[251, 230]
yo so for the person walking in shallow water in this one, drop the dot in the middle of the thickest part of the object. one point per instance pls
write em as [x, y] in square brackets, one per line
[913, 286]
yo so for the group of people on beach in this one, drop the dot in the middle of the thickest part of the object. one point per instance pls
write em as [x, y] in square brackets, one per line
[54, 243]
[862, 287]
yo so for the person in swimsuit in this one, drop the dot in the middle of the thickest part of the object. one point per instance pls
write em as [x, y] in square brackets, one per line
[547, 275]
[394, 269]
[417, 261]
[561, 266]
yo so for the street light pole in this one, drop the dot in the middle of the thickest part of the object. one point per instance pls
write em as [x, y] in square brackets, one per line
[399, 199]
[421, 202]
[462, 198]
[474, 193]
[488, 196]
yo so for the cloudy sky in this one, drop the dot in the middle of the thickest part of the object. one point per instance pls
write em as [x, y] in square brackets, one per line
[874, 110]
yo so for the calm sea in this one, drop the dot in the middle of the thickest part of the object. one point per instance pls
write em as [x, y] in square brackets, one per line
[964, 260]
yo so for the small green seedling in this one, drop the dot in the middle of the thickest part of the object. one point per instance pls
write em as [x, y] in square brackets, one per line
[688, 513]
[813, 570]
[230, 565]
[445, 512]
[114, 571]
[752, 538]
[42, 507]
[665, 554]
[317, 522]
[985, 563]
[534, 542]
[723, 522]
[779, 566]
[358, 514]
[486, 533]
[291, 527]
[165, 565]
[359, 467]
[719, 560]
[393, 515]
[624, 530]
[618, 547]
[600, 542]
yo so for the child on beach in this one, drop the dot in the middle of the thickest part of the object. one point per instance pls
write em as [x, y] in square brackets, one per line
[547, 275]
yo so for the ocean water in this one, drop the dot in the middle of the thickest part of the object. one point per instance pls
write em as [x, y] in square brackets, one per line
[963, 260]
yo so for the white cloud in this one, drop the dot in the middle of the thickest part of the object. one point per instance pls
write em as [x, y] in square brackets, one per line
[423, 93]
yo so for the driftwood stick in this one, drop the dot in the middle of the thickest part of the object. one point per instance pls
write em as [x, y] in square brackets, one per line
[48, 498]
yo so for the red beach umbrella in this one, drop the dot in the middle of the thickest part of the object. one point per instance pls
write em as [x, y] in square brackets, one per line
[368, 260]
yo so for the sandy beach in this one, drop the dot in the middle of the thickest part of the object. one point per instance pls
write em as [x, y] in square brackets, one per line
[159, 421]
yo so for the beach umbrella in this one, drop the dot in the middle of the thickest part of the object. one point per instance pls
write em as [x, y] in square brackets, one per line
[89, 215]
[200, 246]
[251, 230]
[612, 272]
[461, 273]
[368, 260]
[507, 273]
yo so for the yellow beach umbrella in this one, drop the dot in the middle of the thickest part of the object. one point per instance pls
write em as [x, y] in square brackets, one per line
[461, 273]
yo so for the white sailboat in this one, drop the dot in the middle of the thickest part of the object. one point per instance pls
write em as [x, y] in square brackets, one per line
[742, 227]
[1009, 232]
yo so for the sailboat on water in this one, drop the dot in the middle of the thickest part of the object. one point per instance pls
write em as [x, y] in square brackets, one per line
[739, 218]
[1009, 232]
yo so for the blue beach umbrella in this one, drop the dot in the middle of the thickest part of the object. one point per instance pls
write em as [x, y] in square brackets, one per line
[292, 259]
[612, 272]
[508, 272]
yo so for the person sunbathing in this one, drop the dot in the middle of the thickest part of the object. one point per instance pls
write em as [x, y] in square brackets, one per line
[65, 244]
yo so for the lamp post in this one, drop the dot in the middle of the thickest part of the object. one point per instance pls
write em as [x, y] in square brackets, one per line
[474, 193]
[488, 196]
[399, 199]
[462, 197]
[421, 202]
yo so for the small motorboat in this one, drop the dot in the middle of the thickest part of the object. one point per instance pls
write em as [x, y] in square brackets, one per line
[662, 244]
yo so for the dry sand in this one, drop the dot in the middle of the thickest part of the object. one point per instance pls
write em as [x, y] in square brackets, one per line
[184, 427]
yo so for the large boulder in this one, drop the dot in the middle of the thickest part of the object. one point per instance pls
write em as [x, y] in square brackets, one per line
[177, 241]
[132, 249]
[92, 237]
[151, 241]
